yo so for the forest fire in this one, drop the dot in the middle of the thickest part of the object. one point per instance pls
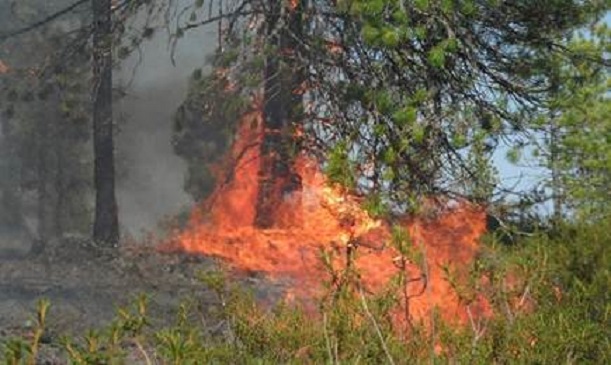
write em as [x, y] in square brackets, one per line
[324, 218]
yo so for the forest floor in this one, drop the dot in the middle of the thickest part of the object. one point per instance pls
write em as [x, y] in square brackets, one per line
[86, 284]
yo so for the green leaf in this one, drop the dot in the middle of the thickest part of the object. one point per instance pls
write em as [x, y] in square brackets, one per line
[390, 156]
[459, 140]
[420, 96]
[420, 33]
[400, 17]
[371, 34]
[437, 56]
[451, 44]
[421, 5]
[379, 130]
[418, 133]
[339, 167]
[447, 6]
[391, 38]
[405, 116]
[375, 206]
[374, 7]
[513, 155]
[468, 7]
[383, 102]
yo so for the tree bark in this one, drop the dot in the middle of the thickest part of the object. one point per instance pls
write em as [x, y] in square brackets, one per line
[282, 106]
[106, 224]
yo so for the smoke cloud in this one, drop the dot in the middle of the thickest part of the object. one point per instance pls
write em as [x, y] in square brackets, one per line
[151, 176]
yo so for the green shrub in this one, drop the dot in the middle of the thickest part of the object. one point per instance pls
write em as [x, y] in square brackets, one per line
[558, 312]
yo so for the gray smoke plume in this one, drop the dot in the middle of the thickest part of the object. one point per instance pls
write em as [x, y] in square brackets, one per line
[150, 185]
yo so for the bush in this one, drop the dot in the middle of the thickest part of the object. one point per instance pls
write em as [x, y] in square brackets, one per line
[549, 294]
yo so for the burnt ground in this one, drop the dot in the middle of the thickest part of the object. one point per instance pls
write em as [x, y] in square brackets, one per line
[86, 284]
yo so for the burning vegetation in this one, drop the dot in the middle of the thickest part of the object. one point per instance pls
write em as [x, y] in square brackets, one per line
[273, 210]
[316, 231]
[404, 102]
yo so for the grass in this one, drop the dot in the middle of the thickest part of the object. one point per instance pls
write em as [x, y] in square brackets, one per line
[557, 312]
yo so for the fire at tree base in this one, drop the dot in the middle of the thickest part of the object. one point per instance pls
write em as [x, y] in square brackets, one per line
[321, 231]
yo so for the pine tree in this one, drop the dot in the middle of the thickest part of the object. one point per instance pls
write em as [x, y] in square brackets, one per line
[106, 224]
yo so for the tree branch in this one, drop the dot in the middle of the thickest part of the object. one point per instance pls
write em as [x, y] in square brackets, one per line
[42, 22]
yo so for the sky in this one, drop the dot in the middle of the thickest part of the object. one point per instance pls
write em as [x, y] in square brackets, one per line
[525, 175]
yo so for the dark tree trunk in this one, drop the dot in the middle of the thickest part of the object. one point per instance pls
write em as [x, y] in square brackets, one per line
[282, 108]
[106, 225]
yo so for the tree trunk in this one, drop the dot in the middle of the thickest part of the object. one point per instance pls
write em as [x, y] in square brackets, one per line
[282, 107]
[106, 224]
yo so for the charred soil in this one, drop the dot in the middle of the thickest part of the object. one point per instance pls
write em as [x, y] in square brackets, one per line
[86, 284]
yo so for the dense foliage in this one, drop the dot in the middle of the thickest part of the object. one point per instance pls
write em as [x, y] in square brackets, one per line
[405, 99]
[44, 169]
[575, 129]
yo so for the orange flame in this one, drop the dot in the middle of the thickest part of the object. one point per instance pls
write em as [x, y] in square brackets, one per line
[293, 4]
[325, 217]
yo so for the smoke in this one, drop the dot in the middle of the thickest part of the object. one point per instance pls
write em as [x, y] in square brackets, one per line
[150, 175]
